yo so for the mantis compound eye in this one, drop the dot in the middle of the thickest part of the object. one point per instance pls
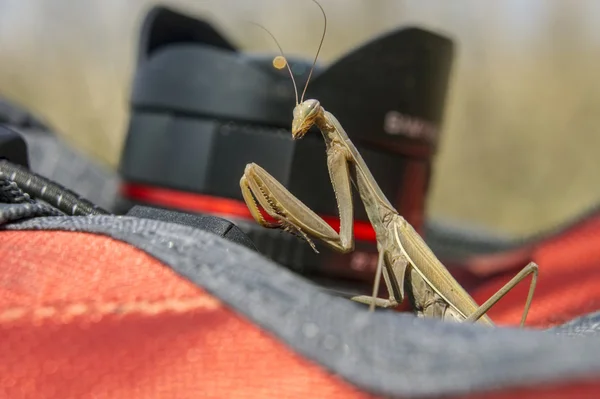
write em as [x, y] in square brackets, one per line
[312, 108]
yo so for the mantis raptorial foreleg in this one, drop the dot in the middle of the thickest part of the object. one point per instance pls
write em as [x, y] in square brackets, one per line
[260, 188]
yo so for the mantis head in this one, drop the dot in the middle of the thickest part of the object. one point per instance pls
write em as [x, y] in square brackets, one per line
[305, 115]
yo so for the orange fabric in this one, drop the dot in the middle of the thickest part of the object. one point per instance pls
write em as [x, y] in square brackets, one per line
[568, 284]
[87, 316]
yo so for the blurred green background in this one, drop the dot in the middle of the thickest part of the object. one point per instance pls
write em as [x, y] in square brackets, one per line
[520, 141]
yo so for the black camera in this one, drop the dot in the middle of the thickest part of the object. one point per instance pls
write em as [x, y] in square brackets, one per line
[201, 110]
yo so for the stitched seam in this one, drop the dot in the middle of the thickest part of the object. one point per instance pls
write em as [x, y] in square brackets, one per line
[77, 309]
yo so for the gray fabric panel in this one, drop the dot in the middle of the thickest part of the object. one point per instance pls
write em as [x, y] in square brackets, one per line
[588, 325]
[387, 353]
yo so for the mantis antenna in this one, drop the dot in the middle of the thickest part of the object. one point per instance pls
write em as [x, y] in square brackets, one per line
[318, 51]
[312, 68]
[283, 55]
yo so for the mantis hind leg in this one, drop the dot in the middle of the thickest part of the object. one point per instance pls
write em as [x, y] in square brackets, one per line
[532, 269]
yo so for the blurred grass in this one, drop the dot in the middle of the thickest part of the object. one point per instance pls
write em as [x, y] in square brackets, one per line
[520, 140]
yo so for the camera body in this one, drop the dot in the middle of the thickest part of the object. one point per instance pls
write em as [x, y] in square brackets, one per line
[201, 110]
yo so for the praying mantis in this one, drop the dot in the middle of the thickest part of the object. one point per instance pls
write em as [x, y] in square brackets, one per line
[409, 267]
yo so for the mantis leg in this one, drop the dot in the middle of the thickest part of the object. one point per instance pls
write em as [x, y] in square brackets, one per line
[378, 302]
[532, 269]
[259, 188]
[380, 260]
[396, 293]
